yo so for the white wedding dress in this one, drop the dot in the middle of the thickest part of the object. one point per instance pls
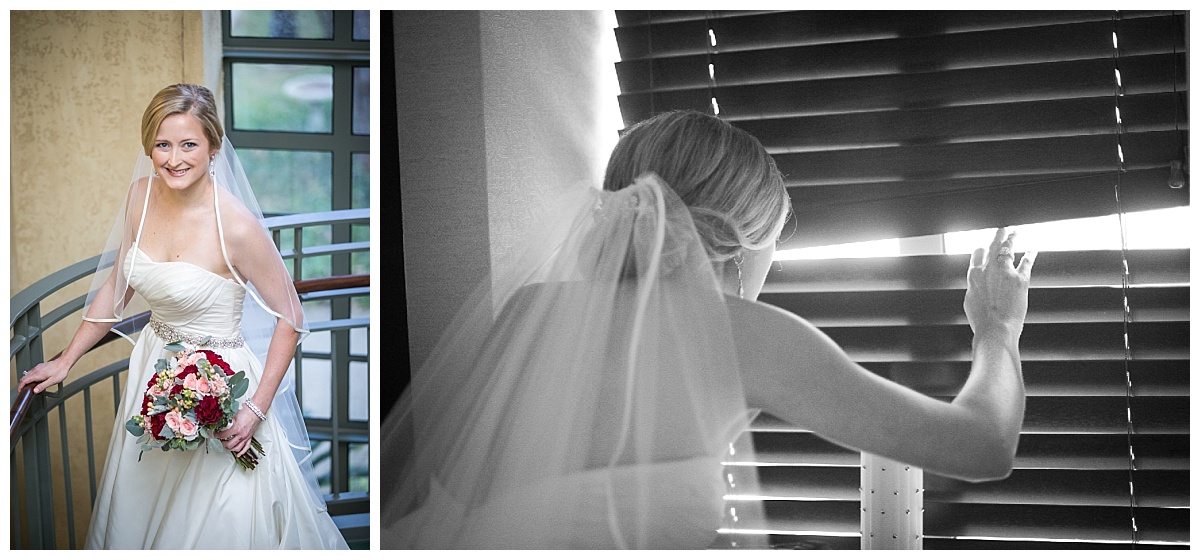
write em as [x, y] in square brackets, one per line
[199, 499]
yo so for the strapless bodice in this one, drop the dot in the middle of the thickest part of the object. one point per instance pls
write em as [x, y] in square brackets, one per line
[186, 296]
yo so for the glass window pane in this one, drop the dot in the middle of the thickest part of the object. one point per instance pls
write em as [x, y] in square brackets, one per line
[322, 464]
[314, 388]
[359, 339]
[360, 261]
[281, 24]
[362, 101]
[362, 25]
[360, 403]
[282, 97]
[360, 467]
[289, 181]
[360, 181]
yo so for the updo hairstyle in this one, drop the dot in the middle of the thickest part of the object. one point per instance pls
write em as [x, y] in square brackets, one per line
[192, 99]
[723, 174]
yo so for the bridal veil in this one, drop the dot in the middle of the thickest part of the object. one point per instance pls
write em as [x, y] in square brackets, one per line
[586, 396]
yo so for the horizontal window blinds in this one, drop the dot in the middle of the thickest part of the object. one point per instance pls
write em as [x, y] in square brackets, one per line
[902, 318]
[893, 124]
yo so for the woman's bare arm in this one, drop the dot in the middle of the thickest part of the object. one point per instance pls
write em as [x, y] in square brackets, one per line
[795, 372]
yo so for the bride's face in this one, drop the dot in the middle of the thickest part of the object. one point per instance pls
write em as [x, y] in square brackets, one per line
[181, 151]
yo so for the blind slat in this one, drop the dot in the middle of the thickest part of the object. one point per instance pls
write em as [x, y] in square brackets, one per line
[1033, 82]
[945, 307]
[1083, 378]
[1070, 341]
[1062, 451]
[938, 53]
[688, 33]
[1055, 522]
[959, 124]
[1065, 487]
[935, 272]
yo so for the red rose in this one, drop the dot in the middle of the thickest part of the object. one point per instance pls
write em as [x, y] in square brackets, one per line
[208, 411]
[176, 389]
[156, 424]
[147, 403]
[216, 360]
[186, 370]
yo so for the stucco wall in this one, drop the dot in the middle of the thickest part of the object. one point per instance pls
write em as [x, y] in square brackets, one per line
[79, 82]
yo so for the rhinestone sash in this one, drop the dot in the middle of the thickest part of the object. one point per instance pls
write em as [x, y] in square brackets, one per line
[172, 334]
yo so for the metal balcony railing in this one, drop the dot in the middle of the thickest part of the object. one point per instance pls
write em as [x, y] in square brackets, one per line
[44, 452]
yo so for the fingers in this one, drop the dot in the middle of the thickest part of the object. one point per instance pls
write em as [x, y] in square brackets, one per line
[1004, 250]
[977, 258]
[1001, 235]
[1026, 265]
[244, 447]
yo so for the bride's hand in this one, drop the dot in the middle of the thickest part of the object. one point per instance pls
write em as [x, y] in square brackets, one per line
[45, 375]
[237, 437]
[997, 292]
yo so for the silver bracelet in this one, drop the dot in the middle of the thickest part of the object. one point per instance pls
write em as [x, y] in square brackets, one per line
[255, 410]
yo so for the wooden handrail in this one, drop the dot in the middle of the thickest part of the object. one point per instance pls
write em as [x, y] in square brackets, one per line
[25, 397]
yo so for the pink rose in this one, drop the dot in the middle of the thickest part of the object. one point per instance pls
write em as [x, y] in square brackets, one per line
[182, 426]
[197, 383]
[190, 359]
[217, 386]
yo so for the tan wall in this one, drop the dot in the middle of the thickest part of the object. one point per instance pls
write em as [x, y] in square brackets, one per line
[79, 82]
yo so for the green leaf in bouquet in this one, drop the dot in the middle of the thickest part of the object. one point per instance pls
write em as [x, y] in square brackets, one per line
[143, 439]
[166, 432]
[174, 347]
[215, 446]
[162, 365]
[236, 378]
[238, 389]
[204, 341]
[134, 428]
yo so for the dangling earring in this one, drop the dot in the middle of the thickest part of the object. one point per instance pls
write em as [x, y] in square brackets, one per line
[737, 260]
[212, 168]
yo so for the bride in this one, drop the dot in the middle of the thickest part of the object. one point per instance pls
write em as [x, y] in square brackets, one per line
[189, 245]
[595, 390]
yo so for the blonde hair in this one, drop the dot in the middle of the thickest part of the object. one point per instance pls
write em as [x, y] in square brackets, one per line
[727, 179]
[192, 99]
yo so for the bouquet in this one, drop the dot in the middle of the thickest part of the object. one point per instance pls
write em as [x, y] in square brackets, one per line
[190, 398]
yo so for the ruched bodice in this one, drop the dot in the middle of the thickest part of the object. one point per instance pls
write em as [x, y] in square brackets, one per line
[187, 296]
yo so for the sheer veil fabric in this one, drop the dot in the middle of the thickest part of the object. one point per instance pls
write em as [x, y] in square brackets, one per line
[586, 396]
[269, 299]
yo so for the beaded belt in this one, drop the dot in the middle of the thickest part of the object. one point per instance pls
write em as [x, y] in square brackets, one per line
[172, 334]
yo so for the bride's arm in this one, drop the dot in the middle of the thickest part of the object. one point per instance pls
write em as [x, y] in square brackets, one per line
[86, 336]
[795, 372]
[258, 263]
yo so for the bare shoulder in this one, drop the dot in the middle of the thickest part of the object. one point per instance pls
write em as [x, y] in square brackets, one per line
[240, 226]
[762, 326]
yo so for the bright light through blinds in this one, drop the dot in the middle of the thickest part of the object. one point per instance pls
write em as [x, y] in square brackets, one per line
[1168, 228]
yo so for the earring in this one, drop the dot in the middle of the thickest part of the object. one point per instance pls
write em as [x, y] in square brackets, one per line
[737, 260]
[212, 168]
